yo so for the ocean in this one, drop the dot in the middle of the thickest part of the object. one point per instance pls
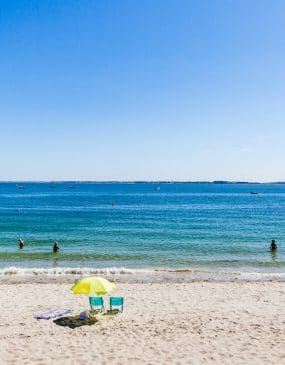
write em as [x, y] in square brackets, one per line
[206, 230]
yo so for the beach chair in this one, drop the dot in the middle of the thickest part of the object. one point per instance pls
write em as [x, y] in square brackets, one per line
[96, 304]
[118, 303]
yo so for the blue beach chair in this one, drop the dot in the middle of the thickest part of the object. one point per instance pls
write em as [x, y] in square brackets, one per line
[96, 304]
[118, 303]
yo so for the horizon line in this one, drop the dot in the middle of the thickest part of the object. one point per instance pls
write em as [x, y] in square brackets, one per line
[145, 181]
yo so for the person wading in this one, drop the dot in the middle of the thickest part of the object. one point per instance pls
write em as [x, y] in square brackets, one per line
[55, 247]
[273, 246]
[21, 243]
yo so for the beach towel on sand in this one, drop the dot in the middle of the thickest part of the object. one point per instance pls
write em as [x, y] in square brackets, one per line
[53, 313]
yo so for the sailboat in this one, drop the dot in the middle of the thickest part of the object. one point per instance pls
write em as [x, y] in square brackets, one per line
[52, 185]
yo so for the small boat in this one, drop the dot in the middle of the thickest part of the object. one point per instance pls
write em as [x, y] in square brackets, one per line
[253, 193]
[20, 187]
[71, 187]
[157, 188]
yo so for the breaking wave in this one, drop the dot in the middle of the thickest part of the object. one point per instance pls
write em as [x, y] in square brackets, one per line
[122, 274]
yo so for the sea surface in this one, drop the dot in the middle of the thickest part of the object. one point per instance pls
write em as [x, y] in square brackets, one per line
[142, 227]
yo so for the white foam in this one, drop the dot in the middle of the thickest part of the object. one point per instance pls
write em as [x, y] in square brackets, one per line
[261, 276]
[68, 271]
[162, 274]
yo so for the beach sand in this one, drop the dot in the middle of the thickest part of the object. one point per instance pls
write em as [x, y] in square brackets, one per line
[163, 323]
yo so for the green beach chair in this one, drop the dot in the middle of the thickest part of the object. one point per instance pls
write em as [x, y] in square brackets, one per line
[118, 303]
[96, 304]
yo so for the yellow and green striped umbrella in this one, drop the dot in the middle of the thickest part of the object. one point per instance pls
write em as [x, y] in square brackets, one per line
[93, 286]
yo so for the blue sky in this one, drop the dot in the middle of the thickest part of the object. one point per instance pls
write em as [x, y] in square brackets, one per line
[142, 90]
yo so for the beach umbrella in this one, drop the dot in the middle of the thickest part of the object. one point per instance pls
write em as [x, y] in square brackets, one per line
[93, 286]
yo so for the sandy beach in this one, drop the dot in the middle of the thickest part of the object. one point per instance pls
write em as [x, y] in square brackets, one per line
[163, 323]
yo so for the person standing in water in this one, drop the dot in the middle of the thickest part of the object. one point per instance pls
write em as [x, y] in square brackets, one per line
[55, 247]
[273, 246]
[21, 243]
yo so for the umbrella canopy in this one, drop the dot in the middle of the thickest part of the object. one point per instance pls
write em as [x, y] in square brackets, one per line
[93, 286]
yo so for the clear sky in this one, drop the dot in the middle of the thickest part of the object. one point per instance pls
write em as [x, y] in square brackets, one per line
[142, 90]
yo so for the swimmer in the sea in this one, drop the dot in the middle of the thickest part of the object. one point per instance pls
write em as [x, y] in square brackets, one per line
[273, 246]
[55, 247]
[21, 243]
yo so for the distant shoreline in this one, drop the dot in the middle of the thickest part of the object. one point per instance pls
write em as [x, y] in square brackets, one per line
[215, 182]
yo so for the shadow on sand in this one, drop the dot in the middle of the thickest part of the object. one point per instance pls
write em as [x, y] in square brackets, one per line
[75, 321]
[112, 312]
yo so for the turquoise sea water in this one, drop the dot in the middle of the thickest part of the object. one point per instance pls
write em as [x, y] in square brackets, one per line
[149, 226]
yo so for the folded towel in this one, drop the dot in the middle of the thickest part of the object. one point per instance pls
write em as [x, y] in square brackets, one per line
[53, 313]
